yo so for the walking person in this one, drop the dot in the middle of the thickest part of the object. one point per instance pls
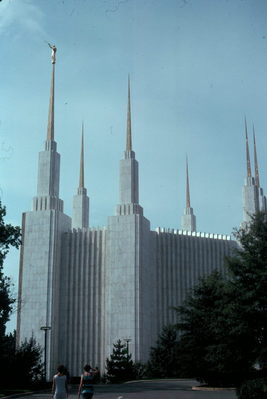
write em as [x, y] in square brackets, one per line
[60, 384]
[86, 388]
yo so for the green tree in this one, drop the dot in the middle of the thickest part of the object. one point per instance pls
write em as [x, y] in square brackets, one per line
[28, 360]
[248, 274]
[27, 357]
[7, 356]
[120, 366]
[214, 345]
[223, 321]
[164, 357]
[9, 237]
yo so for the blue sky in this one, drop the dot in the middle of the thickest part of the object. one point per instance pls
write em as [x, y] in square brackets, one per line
[197, 68]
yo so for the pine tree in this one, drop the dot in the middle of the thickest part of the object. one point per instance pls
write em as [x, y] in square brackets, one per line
[215, 344]
[28, 359]
[120, 366]
[9, 237]
[163, 361]
[223, 322]
[249, 278]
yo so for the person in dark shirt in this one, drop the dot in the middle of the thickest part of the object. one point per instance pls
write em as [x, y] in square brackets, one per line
[86, 388]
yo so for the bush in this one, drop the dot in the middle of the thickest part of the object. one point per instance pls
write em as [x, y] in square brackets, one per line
[139, 371]
[253, 389]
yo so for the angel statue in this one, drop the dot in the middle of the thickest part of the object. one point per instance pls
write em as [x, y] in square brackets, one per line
[53, 54]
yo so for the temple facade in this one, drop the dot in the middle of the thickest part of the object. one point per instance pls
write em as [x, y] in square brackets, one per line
[81, 289]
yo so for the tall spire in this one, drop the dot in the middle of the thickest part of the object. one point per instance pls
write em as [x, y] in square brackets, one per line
[129, 185]
[257, 177]
[49, 160]
[250, 191]
[188, 218]
[187, 186]
[129, 126]
[81, 182]
[80, 215]
[50, 125]
[247, 151]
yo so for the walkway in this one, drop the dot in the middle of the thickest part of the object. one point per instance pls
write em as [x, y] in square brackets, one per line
[159, 389]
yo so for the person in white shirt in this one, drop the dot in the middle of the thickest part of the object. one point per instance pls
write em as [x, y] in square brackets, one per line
[60, 384]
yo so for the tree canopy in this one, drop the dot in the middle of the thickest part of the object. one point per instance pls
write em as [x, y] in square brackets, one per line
[248, 278]
[223, 322]
[26, 359]
[215, 345]
[9, 237]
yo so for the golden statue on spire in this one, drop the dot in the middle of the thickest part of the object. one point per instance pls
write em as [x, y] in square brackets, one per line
[53, 54]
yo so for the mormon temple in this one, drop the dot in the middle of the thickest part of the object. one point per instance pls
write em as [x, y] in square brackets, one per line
[86, 287]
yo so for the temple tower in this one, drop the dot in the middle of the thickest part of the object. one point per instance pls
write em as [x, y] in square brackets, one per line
[129, 186]
[49, 163]
[188, 218]
[129, 254]
[80, 218]
[40, 250]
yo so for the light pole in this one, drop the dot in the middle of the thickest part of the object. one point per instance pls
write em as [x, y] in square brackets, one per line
[45, 329]
[127, 340]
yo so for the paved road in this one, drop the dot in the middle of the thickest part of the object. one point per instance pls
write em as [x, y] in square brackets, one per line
[160, 389]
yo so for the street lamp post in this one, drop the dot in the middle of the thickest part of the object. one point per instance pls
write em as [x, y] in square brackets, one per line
[45, 329]
[127, 340]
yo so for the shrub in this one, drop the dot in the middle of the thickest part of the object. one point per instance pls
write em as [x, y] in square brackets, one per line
[253, 389]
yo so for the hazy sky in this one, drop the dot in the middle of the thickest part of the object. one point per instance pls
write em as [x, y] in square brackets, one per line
[197, 68]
